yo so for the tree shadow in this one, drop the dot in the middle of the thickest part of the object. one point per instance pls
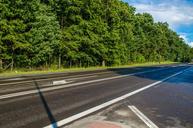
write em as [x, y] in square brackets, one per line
[167, 71]
[46, 107]
[129, 70]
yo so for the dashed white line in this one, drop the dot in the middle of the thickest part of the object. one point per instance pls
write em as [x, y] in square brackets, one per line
[58, 82]
[144, 118]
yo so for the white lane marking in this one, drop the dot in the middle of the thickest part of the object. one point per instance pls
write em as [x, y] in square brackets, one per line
[59, 82]
[144, 118]
[68, 85]
[65, 81]
[106, 104]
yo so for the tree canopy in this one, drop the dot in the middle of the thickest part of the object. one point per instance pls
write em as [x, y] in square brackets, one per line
[39, 33]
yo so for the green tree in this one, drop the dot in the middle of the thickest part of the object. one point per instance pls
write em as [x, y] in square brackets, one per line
[40, 33]
[23, 25]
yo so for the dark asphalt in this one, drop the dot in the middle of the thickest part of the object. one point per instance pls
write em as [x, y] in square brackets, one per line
[169, 104]
[24, 83]
[39, 110]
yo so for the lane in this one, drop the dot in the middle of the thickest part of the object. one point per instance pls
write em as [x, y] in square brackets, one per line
[48, 76]
[22, 78]
[106, 104]
[7, 88]
[170, 104]
[41, 109]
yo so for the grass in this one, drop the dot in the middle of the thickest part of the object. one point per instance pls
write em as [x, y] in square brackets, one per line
[19, 72]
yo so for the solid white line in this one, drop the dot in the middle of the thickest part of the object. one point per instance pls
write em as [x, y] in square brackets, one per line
[68, 85]
[106, 104]
[144, 118]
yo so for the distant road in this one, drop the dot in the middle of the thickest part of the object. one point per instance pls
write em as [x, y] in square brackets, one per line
[38, 101]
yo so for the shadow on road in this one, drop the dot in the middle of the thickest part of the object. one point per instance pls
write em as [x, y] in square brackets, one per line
[46, 107]
[156, 76]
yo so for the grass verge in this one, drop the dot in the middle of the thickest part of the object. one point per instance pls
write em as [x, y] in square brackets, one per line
[19, 72]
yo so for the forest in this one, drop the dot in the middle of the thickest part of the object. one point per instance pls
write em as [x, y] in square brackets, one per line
[83, 33]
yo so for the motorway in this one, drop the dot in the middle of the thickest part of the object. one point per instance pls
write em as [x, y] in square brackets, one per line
[40, 101]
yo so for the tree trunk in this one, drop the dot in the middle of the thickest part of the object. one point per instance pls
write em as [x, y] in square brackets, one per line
[103, 63]
[88, 64]
[49, 61]
[159, 58]
[59, 61]
[70, 63]
[12, 61]
[80, 64]
[1, 64]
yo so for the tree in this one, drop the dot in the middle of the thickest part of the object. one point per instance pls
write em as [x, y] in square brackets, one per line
[25, 24]
[41, 33]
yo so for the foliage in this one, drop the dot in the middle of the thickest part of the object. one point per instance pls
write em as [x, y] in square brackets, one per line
[83, 33]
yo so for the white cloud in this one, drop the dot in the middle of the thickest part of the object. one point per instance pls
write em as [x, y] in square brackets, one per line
[177, 13]
[191, 44]
[167, 12]
[184, 37]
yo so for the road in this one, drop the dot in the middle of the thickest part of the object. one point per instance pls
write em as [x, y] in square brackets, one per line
[169, 104]
[44, 103]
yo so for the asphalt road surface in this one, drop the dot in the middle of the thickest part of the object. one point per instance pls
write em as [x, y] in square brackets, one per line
[37, 102]
[169, 104]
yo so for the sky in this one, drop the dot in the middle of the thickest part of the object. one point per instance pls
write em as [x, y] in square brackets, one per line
[177, 13]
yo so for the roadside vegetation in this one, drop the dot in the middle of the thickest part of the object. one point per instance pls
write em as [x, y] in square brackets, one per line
[42, 34]
[24, 71]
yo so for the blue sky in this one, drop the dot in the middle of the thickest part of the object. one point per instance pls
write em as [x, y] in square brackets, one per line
[178, 14]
